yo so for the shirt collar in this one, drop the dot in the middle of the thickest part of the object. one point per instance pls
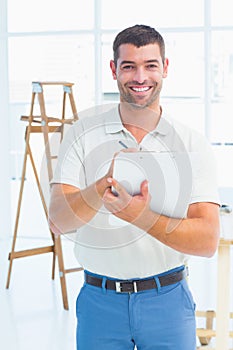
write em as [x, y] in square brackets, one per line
[113, 123]
[163, 127]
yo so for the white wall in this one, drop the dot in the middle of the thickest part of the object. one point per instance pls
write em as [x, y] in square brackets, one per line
[5, 214]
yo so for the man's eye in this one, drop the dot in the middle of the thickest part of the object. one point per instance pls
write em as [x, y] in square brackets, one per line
[152, 66]
[128, 67]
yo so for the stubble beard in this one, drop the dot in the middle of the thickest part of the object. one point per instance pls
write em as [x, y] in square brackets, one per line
[128, 98]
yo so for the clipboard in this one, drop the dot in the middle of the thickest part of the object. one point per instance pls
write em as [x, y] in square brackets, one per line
[169, 175]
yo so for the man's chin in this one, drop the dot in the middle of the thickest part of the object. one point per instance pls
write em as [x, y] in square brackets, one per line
[139, 106]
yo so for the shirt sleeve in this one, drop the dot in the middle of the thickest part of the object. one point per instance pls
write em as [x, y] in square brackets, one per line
[204, 174]
[69, 168]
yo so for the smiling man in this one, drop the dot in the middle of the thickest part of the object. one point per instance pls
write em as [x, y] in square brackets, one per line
[140, 76]
[135, 292]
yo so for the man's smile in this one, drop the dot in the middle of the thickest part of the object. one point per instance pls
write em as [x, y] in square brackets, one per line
[140, 89]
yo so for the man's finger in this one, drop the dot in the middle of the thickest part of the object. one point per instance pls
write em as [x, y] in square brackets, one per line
[121, 191]
[144, 189]
[109, 196]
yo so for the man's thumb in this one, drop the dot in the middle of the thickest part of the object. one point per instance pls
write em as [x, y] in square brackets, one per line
[144, 188]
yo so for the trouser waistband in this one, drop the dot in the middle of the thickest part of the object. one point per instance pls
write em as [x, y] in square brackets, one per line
[137, 285]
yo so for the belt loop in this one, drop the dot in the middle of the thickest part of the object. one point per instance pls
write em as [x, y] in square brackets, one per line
[85, 277]
[104, 284]
[157, 281]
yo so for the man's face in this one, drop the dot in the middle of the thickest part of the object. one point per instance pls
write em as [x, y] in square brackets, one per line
[139, 74]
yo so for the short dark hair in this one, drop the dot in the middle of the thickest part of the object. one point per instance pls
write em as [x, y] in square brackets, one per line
[138, 35]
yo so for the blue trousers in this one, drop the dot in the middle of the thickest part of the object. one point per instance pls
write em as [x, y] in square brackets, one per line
[156, 319]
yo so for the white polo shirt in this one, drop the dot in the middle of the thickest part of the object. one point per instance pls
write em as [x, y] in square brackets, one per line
[110, 246]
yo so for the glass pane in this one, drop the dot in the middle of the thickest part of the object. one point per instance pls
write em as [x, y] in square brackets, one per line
[109, 85]
[223, 156]
[157, 13]
[44, 15]
[222, 65]
[186, 65]
[187, 111]
[221, 123]
[222, 87]
[51, 58]
[221, 12]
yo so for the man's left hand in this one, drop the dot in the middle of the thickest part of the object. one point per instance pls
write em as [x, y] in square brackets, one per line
[127, 207]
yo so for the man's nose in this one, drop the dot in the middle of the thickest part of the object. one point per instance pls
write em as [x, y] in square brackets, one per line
[140, 75]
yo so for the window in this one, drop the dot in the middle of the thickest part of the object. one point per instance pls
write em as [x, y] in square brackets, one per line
[72, 40]
[222, 87]
[156, 13]
[53, 15]
[221, 11]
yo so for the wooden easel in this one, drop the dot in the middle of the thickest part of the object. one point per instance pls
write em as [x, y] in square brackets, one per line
[44, 125]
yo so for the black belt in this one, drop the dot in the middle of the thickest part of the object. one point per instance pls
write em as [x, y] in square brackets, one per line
[134, 286]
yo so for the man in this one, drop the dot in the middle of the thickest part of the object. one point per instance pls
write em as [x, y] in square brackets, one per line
[135, 291]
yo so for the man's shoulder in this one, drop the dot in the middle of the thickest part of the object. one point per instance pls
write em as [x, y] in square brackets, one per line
[181, 127]
[192, 138]
[97, 115]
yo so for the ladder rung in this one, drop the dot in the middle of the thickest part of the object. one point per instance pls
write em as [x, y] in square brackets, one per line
[207, 314]
[73, 269]
[208, 333]
[58, 120]
[65, 83]
[39, 120]
[202, 332]
[30, 252]
[38, 129]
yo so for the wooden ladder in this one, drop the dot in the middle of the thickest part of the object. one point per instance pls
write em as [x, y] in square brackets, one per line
[44, 125]
[218, 324]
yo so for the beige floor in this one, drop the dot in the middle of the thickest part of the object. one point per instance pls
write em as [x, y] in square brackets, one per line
[31, 311]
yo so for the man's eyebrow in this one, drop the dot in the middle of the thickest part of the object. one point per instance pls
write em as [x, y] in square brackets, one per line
[127, 62]
[154, 60]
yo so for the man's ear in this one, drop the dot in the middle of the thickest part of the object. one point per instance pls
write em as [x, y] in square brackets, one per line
[113, 69]
[165, 68]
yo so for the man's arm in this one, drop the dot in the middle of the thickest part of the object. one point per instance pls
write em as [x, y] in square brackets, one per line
[70, 207]
[198, 234]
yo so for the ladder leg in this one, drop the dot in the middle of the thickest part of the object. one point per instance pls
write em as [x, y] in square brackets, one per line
[73, 106]
[64, 105]
[38, 182]
[63, 114]
[45, 130]
[58, 248]
[18, 212]
[54, 259]
[32, 107]
[57, 241]
[44, 206]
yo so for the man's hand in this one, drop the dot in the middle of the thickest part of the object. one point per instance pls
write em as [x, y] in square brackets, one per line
[127, 207]
[197, 234]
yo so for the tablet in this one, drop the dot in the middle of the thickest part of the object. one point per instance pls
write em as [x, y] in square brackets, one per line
[169, 175]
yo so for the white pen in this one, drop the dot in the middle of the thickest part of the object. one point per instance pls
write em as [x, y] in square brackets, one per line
[123, 144]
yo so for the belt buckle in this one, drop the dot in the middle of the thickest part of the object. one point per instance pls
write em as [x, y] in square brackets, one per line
[118, 285]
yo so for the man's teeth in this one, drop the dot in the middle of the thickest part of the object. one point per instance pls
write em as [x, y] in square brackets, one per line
[140, 89]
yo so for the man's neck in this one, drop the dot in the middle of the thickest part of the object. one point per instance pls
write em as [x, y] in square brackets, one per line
[139, 122]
